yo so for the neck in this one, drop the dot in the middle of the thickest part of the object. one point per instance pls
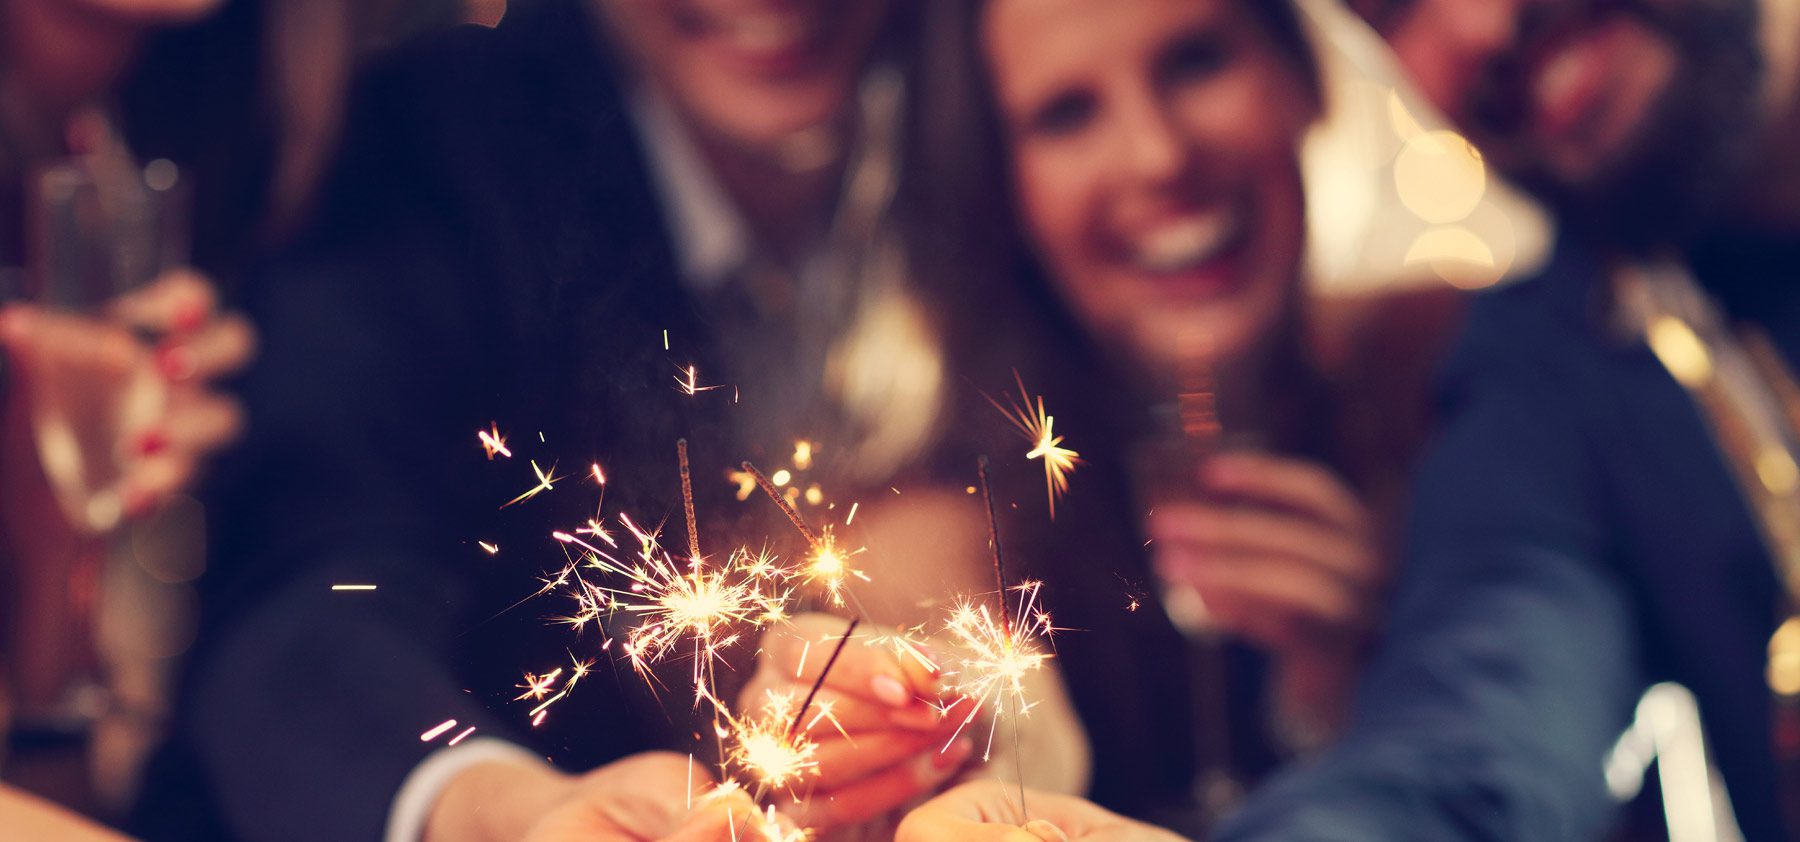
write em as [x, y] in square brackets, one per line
[786, 195]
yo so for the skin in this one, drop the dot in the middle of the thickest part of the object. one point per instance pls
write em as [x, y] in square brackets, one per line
[1657, 118]
[1128, 118]
[985, 811]
[765, 86]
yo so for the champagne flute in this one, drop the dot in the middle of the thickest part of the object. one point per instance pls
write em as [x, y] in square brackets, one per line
[100, 226]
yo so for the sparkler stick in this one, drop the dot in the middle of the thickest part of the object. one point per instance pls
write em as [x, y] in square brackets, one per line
[820, 681]
[687, 503]
[793, 514]
[987, 498]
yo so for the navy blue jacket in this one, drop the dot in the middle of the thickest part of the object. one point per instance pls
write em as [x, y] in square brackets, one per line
[1575, 536]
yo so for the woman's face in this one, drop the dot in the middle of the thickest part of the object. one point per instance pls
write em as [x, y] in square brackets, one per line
[1152, 145]
[752, 72]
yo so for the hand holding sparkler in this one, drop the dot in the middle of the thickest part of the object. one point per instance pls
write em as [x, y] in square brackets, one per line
[985, 811]
[1282, 552]
[651, 796]
[875, 731]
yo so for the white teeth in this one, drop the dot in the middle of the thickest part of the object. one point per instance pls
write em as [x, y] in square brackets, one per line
[767, 31]
[1186, 242]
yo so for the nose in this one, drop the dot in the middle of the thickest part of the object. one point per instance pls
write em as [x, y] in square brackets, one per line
[1150, 146]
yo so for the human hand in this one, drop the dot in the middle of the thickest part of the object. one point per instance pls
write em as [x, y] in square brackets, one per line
[988, 811]
[1280, 551]
[894, 744]
[198, 345]
[644, 797]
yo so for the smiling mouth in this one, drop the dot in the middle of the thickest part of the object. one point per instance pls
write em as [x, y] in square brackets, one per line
[767, 33]
[1188, 243]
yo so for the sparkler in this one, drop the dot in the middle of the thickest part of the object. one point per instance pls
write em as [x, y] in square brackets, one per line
[997, 649]
[827, 565]
[1038, 427]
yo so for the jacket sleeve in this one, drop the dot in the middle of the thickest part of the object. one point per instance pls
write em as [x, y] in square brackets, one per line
[1509, 665]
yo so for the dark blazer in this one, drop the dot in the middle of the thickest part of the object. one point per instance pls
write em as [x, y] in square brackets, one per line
[490, 250]
[1575, 536]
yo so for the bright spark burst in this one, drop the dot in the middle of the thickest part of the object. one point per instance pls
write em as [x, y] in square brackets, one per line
[688, 382]
[710, 607]
[1038, 427]
[766, 748]
[545, 482]
[994, 655]
[829, 569]
[492, 442]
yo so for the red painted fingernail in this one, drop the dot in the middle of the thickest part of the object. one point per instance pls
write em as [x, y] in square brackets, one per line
[189, 316]
[175, 361]
[151, 442]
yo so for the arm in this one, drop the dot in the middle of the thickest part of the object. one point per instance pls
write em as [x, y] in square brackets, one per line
[1509, 665]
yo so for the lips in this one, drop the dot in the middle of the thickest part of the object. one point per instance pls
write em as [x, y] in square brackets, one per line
[765, 37]
[1593, 87]
[1186, 243]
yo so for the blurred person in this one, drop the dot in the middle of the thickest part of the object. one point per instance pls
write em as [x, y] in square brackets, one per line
[1133, 193]
[1609, 504]
[62, 65]
[534, 228]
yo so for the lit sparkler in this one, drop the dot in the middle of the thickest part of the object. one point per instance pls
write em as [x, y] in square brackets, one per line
[1038, 427]
[827, 565]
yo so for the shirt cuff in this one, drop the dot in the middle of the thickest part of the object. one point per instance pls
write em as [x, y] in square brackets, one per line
[420, 791]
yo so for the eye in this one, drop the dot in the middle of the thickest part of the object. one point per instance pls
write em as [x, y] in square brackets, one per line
[1193, 57]
[1064, 114]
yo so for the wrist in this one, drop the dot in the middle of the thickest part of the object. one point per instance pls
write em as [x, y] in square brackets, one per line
[495, 800]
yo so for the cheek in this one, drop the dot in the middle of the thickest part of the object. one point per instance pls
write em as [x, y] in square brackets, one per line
[1055, 207]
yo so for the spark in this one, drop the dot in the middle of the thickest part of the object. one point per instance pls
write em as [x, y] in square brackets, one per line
[687, 382]
[437, 730]
[765, 746]
[995, 654]
[492, 549]
[460, 737]
[803, 455]
[537, 686]
[492, 442]
[353, 587]
[827, 565]
[1038, 427]
[545, 482]
[852, 518]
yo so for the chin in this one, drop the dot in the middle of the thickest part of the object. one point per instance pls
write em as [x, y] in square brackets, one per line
[156, 11]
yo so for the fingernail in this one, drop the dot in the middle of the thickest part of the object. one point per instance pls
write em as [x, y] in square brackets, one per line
[175, 361]
[189, 317]
[890, 691]
[1046, 831]
[151, 442]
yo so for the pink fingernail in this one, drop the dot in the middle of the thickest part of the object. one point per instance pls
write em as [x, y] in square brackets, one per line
[151, 442]
[189, 317]
[175, 361]
[890, 691]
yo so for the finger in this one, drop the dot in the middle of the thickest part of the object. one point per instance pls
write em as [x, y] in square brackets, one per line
[725, 815]
[198, 423]
[1045, 831]
[179, 301]
[151, 481]
[1303, 487]
[1250, 530]
[221, 348]
[861, 669]
[834, 711]
[74, 345]
[934, 823]
[1272, 599]
[882, 792]
[842, 761]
